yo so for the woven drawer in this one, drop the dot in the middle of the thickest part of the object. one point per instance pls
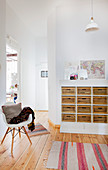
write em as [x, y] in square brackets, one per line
[100, 109]
[83, 109]
[84, 90]
[100, 100]
[83, 118]
[68, 90]
[99, 119]
[84, 100]
[100, 90]
[68, 99]
[68, 118]
[68, 109]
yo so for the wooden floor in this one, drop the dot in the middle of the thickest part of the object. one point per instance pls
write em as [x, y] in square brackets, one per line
[35, 156]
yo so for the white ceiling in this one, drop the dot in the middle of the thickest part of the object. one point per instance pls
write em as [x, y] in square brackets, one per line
[34, 13]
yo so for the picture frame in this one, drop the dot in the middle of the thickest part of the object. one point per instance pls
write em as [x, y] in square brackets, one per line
[44, 74]
[95, 68]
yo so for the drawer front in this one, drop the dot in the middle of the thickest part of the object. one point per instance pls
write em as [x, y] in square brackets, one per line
[100, 109]
[68, 90]
[99, 119]
[83, 118]
[83, 109]
[68, 109]
[69, 99]
[84, 90]
[99, 100]
[100, 90]
[68, 118]
[84, 100]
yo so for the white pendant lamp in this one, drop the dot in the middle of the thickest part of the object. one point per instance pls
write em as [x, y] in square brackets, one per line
[92, 26]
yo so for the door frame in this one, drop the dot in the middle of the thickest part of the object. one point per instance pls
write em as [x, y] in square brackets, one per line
[14, 44]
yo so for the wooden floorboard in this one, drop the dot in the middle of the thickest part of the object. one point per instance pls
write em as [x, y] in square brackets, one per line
[35, 156]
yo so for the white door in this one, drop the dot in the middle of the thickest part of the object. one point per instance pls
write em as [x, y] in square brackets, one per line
[42, 87]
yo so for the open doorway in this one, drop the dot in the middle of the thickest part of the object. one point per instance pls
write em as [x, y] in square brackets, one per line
[12, 73]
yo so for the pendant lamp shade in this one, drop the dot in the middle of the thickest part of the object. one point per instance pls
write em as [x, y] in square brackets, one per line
[92, 26]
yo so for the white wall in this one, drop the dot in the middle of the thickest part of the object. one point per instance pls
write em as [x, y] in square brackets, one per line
[41, 83]
[73, 43]
[2, 62]
[52, 67]
[16, 29]
[2, 53]
[41, 50]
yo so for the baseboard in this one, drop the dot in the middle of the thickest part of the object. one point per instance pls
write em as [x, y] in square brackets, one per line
[53, 125]
[41, 110]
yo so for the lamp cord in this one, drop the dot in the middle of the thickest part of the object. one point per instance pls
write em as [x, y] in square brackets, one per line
[91, 8]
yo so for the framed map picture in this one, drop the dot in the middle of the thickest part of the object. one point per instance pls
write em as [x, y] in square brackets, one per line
[95, 68]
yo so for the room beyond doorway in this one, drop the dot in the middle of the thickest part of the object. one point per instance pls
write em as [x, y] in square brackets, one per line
[12, 72]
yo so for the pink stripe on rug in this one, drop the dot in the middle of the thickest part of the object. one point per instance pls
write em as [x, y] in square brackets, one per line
[60, 155]
[66, 150]
[84, 157]
[82, 163]
[99, 156]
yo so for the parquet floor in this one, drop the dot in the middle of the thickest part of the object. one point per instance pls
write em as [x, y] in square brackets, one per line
[34, 157]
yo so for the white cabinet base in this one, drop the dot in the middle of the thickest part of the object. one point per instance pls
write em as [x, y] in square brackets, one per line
[84, 128]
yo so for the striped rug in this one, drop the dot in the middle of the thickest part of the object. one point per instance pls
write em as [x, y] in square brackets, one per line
[39, 130]
[78, 156]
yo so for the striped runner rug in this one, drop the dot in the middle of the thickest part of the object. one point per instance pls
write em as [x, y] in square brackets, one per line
[78, 156]
[39, 130]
